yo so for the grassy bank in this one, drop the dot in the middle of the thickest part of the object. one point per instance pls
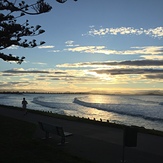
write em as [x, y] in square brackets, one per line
[18, 145]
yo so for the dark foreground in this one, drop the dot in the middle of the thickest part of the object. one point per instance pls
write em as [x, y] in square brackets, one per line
[21, 141]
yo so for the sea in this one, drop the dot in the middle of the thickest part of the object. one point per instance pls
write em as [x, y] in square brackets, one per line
[131, 110]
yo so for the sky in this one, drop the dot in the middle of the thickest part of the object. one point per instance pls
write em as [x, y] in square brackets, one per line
[91, 46]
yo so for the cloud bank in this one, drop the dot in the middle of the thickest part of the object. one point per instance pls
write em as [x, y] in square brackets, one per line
[152, 32]
[154, 50]
[129, 71]
[138, 63]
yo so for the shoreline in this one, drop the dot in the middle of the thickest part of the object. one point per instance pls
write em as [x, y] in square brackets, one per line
[141, 92]
[87, 120]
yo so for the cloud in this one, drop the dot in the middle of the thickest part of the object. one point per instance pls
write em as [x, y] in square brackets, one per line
[13, 47]
[49, 73]
[152, 57]
[88, 49]
[54, 51]
[105, 77]
[70, 43]
[46, 47]
[128, 71]
[39, 63]
[154, 50]
[115, 72]
[116, 63]
[152, 32]
[14, 84]
[111, 71]
[8, 74]
[154, 76]
[68, 76]
[22, 71]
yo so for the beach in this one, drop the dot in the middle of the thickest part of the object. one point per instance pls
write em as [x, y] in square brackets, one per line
[94, 142]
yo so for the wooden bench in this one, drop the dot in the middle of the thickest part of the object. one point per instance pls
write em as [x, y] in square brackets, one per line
[57, 130]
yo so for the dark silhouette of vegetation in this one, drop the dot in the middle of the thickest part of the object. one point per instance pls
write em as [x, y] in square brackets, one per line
[14, 33]
[63, 1]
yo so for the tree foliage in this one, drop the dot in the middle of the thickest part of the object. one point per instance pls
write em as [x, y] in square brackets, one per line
[14, 33]
[63, 1]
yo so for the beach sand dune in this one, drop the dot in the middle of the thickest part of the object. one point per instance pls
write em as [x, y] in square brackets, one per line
[99, 144]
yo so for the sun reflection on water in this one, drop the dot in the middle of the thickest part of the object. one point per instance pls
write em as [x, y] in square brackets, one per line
[103, 99]
[99, 114]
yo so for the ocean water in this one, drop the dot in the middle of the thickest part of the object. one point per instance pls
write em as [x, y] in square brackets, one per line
[139, 110]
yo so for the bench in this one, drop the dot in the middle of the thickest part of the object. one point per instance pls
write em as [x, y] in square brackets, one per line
[57, 130]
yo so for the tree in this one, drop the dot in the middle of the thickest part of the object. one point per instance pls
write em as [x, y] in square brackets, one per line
[14, 33]
[63, 1]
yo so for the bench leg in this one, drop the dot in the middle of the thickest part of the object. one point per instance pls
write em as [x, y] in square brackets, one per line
[62, 140]
[47, 135]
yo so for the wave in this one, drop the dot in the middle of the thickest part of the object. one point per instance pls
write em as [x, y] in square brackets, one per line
[143, 101]
[42, 101]
[161, 103]
[37, 100]
[115, 108]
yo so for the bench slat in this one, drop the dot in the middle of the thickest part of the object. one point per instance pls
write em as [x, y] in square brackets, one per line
[67, 134]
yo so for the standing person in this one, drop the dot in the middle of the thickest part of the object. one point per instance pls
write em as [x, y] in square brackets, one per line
[24, 106]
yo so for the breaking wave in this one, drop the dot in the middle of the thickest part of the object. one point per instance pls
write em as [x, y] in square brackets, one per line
[123, 109]
[40, 101]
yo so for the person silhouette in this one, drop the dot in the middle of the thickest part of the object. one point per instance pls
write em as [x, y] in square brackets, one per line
[24, 106]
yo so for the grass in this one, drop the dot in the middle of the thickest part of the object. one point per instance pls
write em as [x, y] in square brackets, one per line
[18, 145]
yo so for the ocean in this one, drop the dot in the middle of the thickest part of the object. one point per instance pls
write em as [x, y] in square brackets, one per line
[138, 110]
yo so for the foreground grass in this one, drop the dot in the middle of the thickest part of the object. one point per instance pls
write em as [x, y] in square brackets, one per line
[18, 145]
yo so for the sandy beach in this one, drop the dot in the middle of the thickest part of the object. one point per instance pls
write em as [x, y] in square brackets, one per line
[97, 143]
